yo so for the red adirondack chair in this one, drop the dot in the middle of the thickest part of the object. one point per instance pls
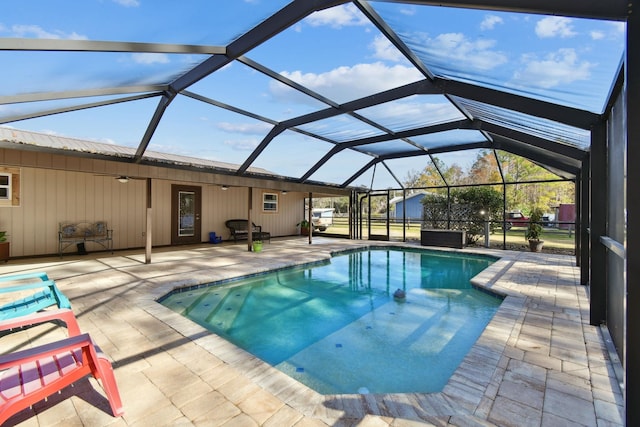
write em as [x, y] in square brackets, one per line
[28, 376]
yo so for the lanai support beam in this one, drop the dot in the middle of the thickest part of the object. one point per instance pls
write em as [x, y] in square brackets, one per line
[584, 251]
[249, 218]
[598, 226]
[44, 113]
[153, 125]
[559, 113]
[632, 338]
[276, 23]
[148, 245]
[565, 150]
[547, 158]
[611, 9]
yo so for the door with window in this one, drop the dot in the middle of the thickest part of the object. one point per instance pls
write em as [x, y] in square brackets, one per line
[186, 205]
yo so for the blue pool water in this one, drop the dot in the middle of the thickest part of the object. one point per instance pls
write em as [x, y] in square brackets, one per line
[336, 326]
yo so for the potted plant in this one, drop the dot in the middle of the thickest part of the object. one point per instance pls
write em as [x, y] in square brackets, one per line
[4, 247]
[534, 230]
[257, 245]
[304, 227]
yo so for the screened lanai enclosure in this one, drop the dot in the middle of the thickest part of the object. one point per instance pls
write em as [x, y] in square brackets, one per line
[347, 98]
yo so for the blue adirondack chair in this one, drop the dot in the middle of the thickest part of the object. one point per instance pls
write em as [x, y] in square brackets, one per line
[46, 295]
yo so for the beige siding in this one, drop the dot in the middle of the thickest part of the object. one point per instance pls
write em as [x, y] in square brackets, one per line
[220, 205]
[161, 209]
[50, 197]
[56, 188]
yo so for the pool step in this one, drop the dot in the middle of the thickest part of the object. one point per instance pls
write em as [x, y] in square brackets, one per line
[201, 307]
[185, 302]
[225, 312]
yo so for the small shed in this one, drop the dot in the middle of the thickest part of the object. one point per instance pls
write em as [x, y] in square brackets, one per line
[566, 216]
[413, 203]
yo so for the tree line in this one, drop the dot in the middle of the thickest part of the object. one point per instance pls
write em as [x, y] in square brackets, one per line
[522, 191]
[520, 175]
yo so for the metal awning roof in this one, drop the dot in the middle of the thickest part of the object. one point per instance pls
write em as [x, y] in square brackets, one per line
[315, 91]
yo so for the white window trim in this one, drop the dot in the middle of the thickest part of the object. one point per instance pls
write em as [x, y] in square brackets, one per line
[13, 187]
[267, 201]
[6, 201]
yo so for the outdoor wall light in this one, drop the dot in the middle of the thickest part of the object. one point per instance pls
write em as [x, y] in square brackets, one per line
[123, 179]
[284, 192]
[224, 187]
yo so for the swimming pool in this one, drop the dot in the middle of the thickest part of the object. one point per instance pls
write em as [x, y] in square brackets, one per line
[337, 328]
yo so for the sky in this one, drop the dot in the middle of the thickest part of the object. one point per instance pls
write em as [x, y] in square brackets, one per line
[337, 53]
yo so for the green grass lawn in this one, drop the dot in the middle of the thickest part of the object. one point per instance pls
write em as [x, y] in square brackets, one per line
[554, 239]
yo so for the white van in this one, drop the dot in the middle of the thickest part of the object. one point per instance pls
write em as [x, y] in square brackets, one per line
[322, 218]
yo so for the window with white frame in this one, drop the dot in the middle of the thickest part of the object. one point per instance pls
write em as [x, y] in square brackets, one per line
[269, 202]
[9, 186]
[5, 186]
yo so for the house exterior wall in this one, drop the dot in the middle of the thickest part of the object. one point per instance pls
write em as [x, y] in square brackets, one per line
[49, 196]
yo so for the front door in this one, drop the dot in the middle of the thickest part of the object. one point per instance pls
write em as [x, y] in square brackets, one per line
[186, 205]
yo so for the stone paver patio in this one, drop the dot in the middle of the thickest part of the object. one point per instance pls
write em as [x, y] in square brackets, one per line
[538, 363]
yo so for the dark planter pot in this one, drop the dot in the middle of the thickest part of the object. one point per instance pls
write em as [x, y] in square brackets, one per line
[4, 251]
[536, 245]
[304, 231]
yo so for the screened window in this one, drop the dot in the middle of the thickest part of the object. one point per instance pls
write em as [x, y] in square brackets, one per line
[269, 202]
[9, 186]
[5, 186]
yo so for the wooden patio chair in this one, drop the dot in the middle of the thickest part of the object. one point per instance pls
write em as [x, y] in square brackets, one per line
[47, 295]
[29, 376]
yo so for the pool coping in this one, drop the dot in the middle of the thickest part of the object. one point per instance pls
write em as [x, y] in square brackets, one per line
[555, 368]
[461, 397]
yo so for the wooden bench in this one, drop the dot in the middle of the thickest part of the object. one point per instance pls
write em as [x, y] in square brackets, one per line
[70, 233]
[239, 229]
[443, 238]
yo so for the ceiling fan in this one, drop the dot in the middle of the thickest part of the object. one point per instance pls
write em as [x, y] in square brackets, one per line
[123, 178]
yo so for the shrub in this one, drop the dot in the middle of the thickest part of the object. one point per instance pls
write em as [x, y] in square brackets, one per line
[534, 228]
[470, 207]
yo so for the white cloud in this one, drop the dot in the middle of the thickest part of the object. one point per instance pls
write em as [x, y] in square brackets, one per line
[244, 128]
[558, 68]
[555, 26]
[476, 54]
[351, 82]
[337, 17]
[416, 112]
[35, 31]
[248, 144]
[611, 31]
[150, 58]
[407, 10]
[383, 49]
[490, 21]
[127, 3]
[619, 28]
